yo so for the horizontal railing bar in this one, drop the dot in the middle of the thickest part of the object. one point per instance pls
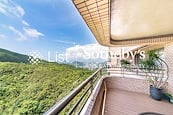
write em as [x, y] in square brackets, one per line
[94, 80]
[126, 71]
[141, 74]
[83, 104]
[74, 107]
[130, 74]
[134, 68]
[61, 104]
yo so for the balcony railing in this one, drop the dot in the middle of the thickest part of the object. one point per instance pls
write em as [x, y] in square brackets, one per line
[86, 89]
[135, 71]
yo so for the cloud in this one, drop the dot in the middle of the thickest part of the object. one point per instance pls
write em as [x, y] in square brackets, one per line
[2, 10]
[18, 11]
[25, 23]
[20, 35]
[65, 42]
[28, 33]
[33, 33]
[8, 8]
[2, 36]
[90, 52]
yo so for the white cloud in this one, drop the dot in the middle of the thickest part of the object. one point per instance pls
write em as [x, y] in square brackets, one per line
[18, 11]
[5, 1]
[2, 10]
[90, 52]
[2, 36]
[25, 23]
[33, 33]
[28, 33]
[20, 35]
[66, 42]
[8, 8]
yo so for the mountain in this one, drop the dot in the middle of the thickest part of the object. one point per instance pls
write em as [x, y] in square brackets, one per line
[9, 56]
[77, 63]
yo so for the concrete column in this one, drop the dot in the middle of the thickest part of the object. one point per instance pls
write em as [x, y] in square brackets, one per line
[168, 52]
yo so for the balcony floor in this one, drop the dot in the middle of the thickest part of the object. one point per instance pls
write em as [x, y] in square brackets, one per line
[121, 102]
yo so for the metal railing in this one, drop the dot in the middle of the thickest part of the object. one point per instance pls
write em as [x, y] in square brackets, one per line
[137, 71]
[86, 88]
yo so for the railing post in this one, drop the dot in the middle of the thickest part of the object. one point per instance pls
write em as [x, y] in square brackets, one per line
[100, 72]
[91, 84]
[137, 71]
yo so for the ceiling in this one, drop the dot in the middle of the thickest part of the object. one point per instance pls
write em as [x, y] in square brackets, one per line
[128, 22]
[132, 19]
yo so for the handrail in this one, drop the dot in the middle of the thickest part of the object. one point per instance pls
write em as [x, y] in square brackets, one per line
[71, 111]
[58, 107]
[134, 70]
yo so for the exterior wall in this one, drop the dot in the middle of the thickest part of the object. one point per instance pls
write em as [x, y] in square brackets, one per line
[168, 52]
[113, 59]
[128, 84]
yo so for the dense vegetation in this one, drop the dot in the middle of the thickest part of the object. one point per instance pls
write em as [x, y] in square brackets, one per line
[9, 56]
[33, 89]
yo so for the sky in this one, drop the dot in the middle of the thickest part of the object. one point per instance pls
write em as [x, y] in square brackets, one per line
[47, 26]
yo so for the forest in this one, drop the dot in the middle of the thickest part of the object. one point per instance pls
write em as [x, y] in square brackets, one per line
[33, 89]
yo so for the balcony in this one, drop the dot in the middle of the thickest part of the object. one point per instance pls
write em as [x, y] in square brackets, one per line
[119, 91]
[125, 96]
[104, 94]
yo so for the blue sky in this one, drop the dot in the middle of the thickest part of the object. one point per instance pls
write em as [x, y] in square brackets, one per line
[42, 25]
[51, 24]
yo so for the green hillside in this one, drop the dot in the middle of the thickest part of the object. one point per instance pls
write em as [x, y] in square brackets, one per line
[8, 56]
[33, 89]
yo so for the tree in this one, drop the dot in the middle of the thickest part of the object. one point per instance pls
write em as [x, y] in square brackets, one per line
[156, 69]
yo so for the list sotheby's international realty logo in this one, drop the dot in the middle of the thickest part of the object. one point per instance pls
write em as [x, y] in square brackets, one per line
[34, 57]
